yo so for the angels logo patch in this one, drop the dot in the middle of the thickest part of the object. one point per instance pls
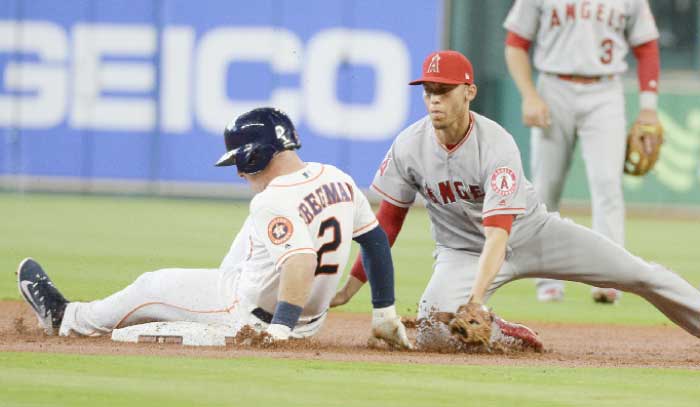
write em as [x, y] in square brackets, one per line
[279, 230]
[503, 181]
[384, 165]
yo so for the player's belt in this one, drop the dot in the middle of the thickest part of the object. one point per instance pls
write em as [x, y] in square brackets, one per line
[582, 78]
[266, 317]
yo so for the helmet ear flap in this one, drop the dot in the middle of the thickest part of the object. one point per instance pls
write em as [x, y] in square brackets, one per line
[253, 158]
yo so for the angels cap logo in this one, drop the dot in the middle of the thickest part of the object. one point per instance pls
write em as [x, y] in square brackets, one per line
[434, 64]
[279, 230]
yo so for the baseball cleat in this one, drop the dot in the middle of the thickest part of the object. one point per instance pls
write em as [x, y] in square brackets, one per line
[605, 295]
[518, 335]
[38, 290]
[550, 294]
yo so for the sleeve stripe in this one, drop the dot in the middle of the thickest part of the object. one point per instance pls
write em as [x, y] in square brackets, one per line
[503, 209]
[376, 188]
[286, 255]
[363, 228]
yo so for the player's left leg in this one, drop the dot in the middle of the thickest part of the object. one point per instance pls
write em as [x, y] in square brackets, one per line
[603, 143]
[194, 295]
[449, 287]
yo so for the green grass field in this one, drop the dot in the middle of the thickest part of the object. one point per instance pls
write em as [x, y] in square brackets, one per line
[92, 246]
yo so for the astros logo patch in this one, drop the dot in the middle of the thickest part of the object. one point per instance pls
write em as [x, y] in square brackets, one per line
[503, 181]
[279, 230]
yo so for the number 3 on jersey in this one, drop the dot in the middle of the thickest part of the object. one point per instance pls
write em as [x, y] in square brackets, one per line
[607, 46]
[328, 248]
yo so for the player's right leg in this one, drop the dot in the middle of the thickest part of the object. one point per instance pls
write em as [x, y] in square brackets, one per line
[567, 251]
[551, 152]
[195, 295]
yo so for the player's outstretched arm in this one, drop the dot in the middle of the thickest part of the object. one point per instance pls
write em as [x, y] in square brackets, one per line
[351, 287]
[376, 257]
[295, 286]
[490, 261]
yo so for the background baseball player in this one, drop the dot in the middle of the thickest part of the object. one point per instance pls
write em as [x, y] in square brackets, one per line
[487, 222]
[580, 49]
[283, 266]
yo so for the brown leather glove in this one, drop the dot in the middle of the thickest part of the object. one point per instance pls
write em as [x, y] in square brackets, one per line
[643, 147]
[471, 324]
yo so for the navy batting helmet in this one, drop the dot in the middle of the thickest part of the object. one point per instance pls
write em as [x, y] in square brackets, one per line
[255, 137]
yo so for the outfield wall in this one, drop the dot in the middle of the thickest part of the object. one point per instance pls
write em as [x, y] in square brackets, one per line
[134, 95]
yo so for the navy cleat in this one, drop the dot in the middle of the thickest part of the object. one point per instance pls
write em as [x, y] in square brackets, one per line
[38, 290]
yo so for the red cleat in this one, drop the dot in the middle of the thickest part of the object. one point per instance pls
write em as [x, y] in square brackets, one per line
[516, 336]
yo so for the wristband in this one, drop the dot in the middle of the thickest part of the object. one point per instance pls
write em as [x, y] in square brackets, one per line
[384, 313]
[648, 100]
[286, 314]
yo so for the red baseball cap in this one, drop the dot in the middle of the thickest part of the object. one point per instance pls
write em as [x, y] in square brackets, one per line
[450, 67]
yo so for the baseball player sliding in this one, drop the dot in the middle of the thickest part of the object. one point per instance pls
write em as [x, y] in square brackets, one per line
[580, 52]
[488, 224]
[282, 269]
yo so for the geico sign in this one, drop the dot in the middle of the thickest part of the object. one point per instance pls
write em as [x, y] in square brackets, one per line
[84, 79]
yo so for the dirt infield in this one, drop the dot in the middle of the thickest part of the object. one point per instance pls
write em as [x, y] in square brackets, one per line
[343, 338]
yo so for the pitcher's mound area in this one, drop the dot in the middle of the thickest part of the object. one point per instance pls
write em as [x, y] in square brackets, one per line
[344, 338]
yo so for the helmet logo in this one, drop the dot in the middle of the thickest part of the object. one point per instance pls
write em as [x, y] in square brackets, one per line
[434, 66]
[279, 130]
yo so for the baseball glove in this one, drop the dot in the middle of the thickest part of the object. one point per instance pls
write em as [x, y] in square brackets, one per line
[471, 324]
[643, 146]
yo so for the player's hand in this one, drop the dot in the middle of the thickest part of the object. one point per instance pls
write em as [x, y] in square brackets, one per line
[648, 117]
[387, 326]
[535, 112]
[351, 287]
[277, 333]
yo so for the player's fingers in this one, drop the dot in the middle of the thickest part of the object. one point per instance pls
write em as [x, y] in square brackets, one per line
[545, 119]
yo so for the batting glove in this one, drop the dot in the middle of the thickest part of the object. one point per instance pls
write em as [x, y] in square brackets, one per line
[278, 332]
[387, 326]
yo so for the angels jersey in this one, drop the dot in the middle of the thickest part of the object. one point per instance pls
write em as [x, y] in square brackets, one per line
[480, 177]
[582, 37]
[316, 210]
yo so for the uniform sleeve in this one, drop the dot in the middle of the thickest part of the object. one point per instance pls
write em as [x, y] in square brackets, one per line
[504, 182]
[282, 232]
[240, 248]
[641, 26]
[391, 183]
[523, 19]
[364, 219]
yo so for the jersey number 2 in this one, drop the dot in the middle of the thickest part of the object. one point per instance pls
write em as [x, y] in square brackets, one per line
[607, 45]
[330, 223]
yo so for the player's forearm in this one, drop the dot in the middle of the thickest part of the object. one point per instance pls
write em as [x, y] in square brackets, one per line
[490, 261]
[648, 67]
[518, 62]
[296, 279]
[379, 267]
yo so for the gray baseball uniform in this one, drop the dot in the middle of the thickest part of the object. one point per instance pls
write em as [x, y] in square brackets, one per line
[583, 38]
[483, 176]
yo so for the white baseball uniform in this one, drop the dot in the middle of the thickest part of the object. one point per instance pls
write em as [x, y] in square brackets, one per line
[582, 38]
[316, 210]
[482, 176]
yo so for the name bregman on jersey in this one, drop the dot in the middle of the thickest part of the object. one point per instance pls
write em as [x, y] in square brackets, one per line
[324, 196]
